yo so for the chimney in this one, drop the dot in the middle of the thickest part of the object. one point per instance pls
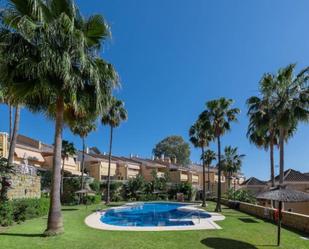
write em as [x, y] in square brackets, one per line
[153, 158]
[162, 157]
[131, 155]
[87, 150]
[174, 160]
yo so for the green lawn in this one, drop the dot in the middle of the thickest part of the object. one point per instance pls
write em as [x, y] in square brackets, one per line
[239, 231]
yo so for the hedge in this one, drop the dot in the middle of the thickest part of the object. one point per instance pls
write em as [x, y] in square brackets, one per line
[19, 210]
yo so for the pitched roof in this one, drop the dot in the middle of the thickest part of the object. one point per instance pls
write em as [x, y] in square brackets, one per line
[253, 181]
[292, 175]
[149, 162]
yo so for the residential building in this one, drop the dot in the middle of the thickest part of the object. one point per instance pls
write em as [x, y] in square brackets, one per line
[298, 181]
[96, 166]
[178, 174]
[149, 167]
[34, 153]
[254, 185]
[292, 179]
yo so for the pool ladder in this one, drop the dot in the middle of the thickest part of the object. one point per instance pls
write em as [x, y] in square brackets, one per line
[190, 214]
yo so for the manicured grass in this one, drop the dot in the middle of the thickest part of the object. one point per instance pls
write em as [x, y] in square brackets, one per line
[240, 231]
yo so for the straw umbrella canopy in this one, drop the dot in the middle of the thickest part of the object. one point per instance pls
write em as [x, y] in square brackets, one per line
[281, 194]
[84, 191]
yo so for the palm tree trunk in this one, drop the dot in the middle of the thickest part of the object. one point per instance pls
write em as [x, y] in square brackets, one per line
[229, 180]
[83, 168]
[55, 223]
[218, 207]
[281, 147]
[11, 122]
[62, 175]
[14, 135]
[272, 164]
[208, 178]
[109, 166]
[204, 179]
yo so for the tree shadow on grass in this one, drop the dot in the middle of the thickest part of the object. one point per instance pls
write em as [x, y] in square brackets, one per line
[220, 243]
[248, 220]
[22, 235]
[69, 209]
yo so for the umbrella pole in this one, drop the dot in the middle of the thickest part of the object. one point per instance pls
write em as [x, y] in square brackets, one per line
[279, 223]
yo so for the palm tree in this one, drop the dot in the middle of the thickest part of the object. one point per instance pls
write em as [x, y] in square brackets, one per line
[68, 150]
[290, 98]
[274, 117]
[208, 156]
[4, 98]
[115, 114]
[82, 129]
[231, 162]
[55, 69]
[262, 129]
[200, 136]
[220, 115]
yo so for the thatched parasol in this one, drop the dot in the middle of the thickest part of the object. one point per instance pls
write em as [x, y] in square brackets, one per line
[281, 194]
[84, 191]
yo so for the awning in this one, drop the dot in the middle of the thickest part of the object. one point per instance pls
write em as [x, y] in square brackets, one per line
[29, 154]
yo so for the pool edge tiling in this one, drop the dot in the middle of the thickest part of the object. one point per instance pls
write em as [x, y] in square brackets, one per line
[94, 221]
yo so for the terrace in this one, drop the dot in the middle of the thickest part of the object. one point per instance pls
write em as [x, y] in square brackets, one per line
[239, 231]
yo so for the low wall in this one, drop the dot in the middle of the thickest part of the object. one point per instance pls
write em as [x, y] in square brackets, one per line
[289, 219]
[25, 186]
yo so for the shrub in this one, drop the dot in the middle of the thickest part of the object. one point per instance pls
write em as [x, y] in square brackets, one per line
[19, 210]
[70, 186]
[116, 190]
[92, 199]
[240, 195]
[24, 209]
[95, 186]
[134, 187]
[185, 188]
[6, 213]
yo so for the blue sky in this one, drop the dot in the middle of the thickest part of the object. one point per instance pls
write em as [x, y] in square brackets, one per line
[173, 56]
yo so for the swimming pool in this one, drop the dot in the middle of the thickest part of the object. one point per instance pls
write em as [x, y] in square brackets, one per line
[154, 214]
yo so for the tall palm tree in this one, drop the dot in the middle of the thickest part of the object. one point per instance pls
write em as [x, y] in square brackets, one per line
[262, 130]
[200, 136]
[55, 68]
[13, 139]
[82, 129]
[67, 150]
[220, 115]
[290, 98]
[208, 156]
[115, 114]
[13, 130]
[274, 116]
[231, 162]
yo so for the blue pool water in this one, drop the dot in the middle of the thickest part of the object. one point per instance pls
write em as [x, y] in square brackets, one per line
[152, 214]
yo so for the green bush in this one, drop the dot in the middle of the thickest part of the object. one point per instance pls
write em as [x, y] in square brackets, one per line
[70, 186]
[19, 210]
[116, 190]
[95, 186]
[185, 188]
[240, 195]
[6, 213]
[92, 199]
[24, 209]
